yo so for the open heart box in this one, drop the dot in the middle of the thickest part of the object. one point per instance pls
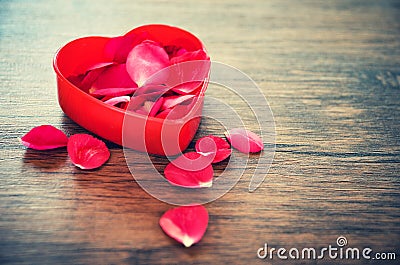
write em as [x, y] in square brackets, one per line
[130, 129]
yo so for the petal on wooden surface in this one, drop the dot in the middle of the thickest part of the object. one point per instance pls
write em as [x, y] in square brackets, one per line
[86, 151]
[185, 224]
[44, 137]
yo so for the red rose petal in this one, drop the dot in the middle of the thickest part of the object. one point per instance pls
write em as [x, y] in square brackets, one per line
[185, 224]
[173, 50]
[113, 92]
[188, 87]
[190, 179]
[105, 98]
[113, 76]
[114, 101]
[164, 114]
[220, 148]
[177, 112]
[99, 65]
[86, 151]
[89, 79]
[113, 46]
[156, 107]
[190, 56]
[119, 47]
[152, 90]
[147, 93]
[172, 101]
[144, 60]
[245, 141]
[193, 161]
[84, 68]
[44, 137]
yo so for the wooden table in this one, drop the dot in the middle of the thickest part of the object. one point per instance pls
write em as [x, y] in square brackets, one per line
[330, 71]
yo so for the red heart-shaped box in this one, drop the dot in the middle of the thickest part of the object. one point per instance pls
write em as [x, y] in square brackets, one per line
[139, 132]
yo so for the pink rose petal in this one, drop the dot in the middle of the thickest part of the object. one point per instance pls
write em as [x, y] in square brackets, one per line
[114, 92]
[142, 112]
[245, 141]
[188, 87]
[44, 137]
[86, 151]
[151, 90]
[148, 94]
[190, 56]
[114, 101]
[177, 112]
[147, 108]
[193, 161]
[185, 224]
[189, 179]
[119, 47]
[114, 45]
[113, 76]
[144, 60]
[220, 147]
[172, 101]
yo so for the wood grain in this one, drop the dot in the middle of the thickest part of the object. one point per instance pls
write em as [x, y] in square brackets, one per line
[331, 73]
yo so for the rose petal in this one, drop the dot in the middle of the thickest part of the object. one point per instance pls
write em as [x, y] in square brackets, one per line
[142, 112]
[245, 141]
[144, 94]
[185, 224]
[114, 92]
[177, 112]
[188, 87]
[163, 114]
[172, 101]
[190, 179]
[220, 148]
[119, 47]
[105, 98]
[85, 68]
[152, 90]
[88, 79]
[156, 107]
[44, 137]
[173, 50]
[193, 161]
[190, 56]
[86, 151]
[76, 80]
[99, 65]
[114, 101]
[146, 108]
[144, 60]
[113, 76]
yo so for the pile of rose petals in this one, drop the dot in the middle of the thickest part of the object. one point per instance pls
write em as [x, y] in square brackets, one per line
[84, 150]
[131, 60]
[194, 170]
[185, 224]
